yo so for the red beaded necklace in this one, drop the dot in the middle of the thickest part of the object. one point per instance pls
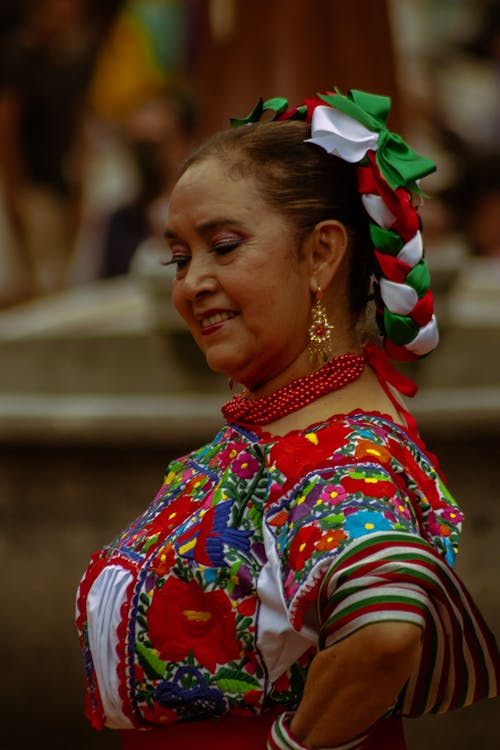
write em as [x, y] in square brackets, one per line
[333, 375]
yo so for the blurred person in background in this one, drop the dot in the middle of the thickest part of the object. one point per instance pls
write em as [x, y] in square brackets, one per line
[158, 135]
[45, 69]
[141, 124]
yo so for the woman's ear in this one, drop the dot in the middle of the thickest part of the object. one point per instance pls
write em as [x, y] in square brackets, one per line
[328, 251]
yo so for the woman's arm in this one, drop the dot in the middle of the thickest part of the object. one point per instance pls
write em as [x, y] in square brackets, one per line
[351, 684]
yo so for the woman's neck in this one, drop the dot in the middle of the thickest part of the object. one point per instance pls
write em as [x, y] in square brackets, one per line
[301, 366]
[364, 394]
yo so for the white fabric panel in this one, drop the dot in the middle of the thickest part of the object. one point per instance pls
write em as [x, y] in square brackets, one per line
[104, 602]
[279, 644]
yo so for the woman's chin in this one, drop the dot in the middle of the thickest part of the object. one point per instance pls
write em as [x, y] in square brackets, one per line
[232, 369]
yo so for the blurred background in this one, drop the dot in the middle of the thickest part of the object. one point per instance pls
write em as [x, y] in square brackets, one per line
[99, 384]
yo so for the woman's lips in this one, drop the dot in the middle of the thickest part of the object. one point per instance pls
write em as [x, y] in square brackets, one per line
[215, 320]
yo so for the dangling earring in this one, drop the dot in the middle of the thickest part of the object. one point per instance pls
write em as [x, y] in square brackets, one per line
[320, 332]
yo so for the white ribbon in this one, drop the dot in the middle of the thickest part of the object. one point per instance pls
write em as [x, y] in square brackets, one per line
[413, 251]
[339, 134]
[398, 298]
[426, 339]
[377, 210]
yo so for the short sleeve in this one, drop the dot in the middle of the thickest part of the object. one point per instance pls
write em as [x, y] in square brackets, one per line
[351, 554]
[400, 577]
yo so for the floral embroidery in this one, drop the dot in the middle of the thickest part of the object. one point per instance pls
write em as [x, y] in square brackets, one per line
[366, 521]
[333, 494]
[331, 539]
[303, 545]
[189, 629]
[190, 695]
[201, 622]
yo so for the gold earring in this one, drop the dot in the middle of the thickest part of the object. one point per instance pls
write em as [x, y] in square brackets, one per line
[320, 332]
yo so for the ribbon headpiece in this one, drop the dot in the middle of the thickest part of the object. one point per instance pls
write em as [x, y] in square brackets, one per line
[353, 128]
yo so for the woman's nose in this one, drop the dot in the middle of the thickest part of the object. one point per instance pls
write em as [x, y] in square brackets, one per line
[199, 278]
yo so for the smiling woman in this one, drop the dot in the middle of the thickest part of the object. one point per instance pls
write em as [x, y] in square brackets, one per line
[291, 585]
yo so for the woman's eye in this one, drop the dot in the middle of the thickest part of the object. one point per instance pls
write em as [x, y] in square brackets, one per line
[179, 260]
[225, 246]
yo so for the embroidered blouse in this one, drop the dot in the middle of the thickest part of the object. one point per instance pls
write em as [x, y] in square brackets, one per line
[256, 552]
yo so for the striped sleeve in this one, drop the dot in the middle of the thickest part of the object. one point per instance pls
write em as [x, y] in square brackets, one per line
[397, 576]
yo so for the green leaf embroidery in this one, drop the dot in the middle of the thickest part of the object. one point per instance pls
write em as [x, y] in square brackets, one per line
[145, 599]
[142, 621]
[237, 686]
[152, 665]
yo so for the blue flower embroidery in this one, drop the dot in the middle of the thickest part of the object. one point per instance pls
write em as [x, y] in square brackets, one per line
[365, 522]
[190, 695]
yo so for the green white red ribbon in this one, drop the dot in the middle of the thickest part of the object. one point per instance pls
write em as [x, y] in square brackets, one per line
[353, 128]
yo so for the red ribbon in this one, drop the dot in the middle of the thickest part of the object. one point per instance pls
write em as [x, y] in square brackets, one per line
[386, 371]
[407, 222]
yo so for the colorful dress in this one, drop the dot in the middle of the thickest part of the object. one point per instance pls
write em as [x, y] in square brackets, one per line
[260, 550]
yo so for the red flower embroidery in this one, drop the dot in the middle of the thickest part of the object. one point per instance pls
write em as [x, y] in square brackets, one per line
[183, 618]
[297, 454]
[303, 545]
[369, 486]
[247, 606]
[331, 540]
[164, 559]
[173, 515]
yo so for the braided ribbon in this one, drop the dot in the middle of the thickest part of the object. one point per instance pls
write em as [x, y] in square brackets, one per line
[353, 127]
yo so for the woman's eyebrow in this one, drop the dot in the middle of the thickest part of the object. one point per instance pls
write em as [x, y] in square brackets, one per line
[205, 226]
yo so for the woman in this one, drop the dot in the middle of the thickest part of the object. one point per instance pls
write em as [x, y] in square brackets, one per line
[290, 586]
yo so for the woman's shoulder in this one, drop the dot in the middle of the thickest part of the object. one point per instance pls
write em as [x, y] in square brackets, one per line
[340, 431]
[345, 439]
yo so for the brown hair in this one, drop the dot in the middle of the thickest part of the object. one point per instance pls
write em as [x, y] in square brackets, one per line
[302, 182]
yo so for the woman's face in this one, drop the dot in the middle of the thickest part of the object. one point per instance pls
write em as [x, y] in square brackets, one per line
[239, 284]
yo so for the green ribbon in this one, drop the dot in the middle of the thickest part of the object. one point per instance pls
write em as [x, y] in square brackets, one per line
[400, 165]
[278, 105]
[419, 278]
[401, 329]
[385, 240]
